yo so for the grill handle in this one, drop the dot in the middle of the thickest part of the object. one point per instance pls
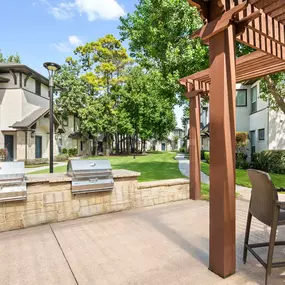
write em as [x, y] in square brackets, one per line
[93, 179]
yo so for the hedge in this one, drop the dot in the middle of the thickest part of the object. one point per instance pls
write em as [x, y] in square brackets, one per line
[61, 157]
[207, 156]
[270, 161]
[36, 161]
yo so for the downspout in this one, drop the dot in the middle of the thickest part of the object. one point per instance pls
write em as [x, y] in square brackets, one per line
[26, 145]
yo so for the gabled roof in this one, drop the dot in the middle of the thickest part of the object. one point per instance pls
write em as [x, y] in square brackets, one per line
[31, 119]
[16, 67]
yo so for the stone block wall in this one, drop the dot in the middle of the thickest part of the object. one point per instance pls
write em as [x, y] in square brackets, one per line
[50, 199]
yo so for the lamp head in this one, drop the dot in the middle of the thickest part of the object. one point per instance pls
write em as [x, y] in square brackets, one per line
[51, 66]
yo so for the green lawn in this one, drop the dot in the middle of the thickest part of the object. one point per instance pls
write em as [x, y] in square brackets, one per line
[243, 179]
[152, 167]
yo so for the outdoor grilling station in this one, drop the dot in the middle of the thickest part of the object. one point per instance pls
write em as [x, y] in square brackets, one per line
[88, 176]
[13, 185]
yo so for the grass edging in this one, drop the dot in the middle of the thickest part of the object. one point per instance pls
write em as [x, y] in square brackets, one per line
[242, 178]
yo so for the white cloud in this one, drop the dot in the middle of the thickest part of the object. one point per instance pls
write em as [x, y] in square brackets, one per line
[63, 11]
[61, 47]
[94, 9]
[75, 41]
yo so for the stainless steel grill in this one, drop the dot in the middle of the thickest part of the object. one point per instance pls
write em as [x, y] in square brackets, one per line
[12, 181]
[90, 176]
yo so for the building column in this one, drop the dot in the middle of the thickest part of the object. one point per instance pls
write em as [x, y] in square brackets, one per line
[195, 147]
[222, 153]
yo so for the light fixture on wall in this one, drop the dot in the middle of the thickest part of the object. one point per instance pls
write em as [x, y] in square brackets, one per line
[52, 69]
[32, 134]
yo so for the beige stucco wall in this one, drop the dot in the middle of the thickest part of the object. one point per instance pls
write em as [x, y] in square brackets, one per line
[50, 199]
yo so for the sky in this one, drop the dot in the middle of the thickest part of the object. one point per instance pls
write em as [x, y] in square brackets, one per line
[49, 30]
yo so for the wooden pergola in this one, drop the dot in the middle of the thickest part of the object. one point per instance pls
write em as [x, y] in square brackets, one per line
[260, 25]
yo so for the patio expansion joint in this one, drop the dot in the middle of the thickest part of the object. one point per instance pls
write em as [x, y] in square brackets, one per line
[66, 260]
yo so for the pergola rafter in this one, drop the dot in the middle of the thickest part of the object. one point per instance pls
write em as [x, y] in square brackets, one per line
[258, 24]
[248, 67]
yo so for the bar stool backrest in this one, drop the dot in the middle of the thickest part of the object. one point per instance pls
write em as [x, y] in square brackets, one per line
[263, 197]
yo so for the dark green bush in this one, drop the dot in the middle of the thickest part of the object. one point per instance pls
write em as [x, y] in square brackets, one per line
[255, 161]
[207, 156]
[182, 149]
[36, 161]
[273, 161]
[270, 161]
[64, 151]
[61, 157]
[241, 161]
[72, 152]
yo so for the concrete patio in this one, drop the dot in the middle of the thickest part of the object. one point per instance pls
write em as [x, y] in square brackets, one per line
[165, 245]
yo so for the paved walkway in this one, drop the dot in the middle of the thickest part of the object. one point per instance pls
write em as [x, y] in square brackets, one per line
[184, 167]
[161, 245]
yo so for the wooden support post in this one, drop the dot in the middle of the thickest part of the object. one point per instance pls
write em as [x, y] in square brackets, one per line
[194, 148]
[222, 153]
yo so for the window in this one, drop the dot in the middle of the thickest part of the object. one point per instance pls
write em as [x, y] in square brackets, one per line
[254, 99]
[252, 142]
[241, 98]
[38, 87]
[261, 134]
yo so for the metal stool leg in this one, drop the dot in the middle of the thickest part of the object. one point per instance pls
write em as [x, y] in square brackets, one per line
[271, 245]
[249, 217]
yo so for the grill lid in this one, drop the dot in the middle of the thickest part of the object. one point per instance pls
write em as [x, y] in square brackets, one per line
[77, 166]
[11, 170]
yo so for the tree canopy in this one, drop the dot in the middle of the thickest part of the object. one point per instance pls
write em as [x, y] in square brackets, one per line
[11, 58]
[158, 33]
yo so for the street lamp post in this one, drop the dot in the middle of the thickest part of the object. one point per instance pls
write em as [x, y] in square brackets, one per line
[52, 69]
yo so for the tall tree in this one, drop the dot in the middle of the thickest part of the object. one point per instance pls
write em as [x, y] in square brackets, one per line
[158, 32]
[104, 63]
[74, 89]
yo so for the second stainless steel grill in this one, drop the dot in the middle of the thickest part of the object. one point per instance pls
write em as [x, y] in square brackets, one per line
[90, 176]
[12, 181]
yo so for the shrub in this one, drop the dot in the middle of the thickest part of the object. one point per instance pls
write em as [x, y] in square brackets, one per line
[207, 156]
[272, 161]
[72, 152]
[241, 162]
[61, 157]
[255, 161]
[64, 151]
[3, 154]
[36, 161]
[182, 149]
[241, 139]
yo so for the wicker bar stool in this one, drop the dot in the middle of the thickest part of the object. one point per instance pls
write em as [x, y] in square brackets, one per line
[265, 207]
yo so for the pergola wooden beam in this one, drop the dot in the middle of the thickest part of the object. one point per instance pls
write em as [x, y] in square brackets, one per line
[258, 24]
[248, 67]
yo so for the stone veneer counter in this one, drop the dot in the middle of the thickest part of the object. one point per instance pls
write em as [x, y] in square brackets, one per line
[50, 200]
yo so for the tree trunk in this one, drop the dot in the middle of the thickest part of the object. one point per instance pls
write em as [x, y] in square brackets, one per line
[95, 146]
[124, 143]
[117, 143]
[121, 143]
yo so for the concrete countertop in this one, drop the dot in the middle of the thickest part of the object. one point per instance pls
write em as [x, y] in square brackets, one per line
[63, 177]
